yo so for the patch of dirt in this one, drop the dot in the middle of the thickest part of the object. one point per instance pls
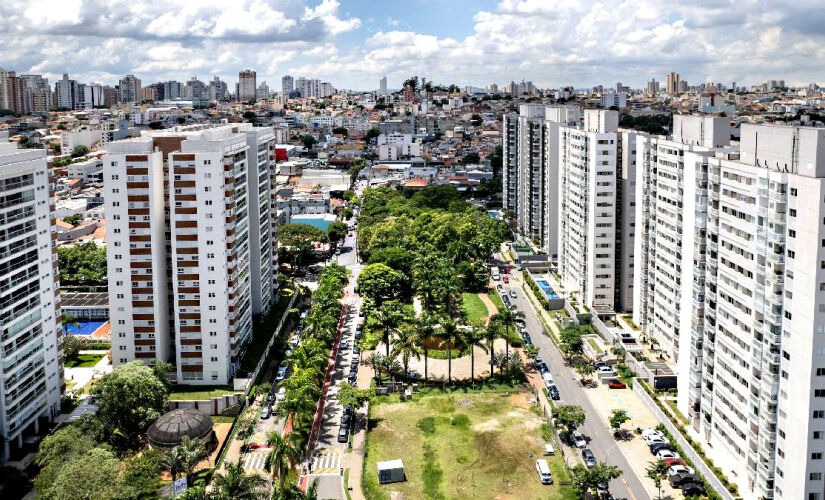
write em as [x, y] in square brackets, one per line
[487, 426]
[464, 403]
[521, 400]
[397, 495]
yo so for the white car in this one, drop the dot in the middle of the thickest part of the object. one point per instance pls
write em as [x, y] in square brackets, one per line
[606, 370]
[667, 454]
[679, 469]
[547, 379]
[649, 434]
[578, 439]
[281, 394]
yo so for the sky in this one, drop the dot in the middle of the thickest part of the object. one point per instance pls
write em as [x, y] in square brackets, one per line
[353, 43]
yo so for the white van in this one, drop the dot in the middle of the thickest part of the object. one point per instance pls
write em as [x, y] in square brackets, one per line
[549, 449]
[547, 379]
[544, 471]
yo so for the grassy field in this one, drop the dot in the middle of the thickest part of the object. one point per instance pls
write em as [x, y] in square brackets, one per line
[474, 308]
[84, 361]
[181, 392]
[461, 445]
[494, 297]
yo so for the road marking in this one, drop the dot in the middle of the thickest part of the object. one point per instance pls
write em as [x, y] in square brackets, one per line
[255, 462]
[327, 461]
[630, 491]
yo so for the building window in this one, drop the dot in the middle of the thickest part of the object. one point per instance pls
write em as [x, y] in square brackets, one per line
[819, 413]
[816, 476]
[816, 456]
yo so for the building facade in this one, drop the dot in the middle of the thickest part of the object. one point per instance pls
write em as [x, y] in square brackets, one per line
[130, 89]
[158, 262]
[31, 383]
[247, 85]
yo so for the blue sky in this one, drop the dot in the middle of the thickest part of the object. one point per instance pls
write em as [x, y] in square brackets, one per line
[352, 43]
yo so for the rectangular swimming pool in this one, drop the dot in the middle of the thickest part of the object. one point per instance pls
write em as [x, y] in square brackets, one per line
[83, 327]
[547, 289]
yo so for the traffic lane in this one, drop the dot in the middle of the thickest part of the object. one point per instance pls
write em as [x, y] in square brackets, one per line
[331, 420]
[601, 441]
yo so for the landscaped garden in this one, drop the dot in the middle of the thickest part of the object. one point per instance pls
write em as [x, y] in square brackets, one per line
[462, 444]
[84, 360]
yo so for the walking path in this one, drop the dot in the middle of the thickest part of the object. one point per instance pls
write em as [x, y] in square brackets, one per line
[491, 307]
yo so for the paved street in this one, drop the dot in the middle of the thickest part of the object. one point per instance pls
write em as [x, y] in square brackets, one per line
[601, 441]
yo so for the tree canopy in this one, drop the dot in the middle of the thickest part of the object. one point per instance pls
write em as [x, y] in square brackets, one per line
[82, 264]
[379, 283]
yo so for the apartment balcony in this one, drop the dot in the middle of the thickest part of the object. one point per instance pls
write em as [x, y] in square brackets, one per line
[777, 196]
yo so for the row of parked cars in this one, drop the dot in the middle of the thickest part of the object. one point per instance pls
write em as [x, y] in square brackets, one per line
[352, 376]
[679, 474]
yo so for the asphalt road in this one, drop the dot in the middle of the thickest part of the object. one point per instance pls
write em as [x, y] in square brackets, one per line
[600, 439]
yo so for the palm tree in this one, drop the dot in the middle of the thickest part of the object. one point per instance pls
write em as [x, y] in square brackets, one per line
[473, 338]
[291, 491]
[68, 320]
[451, 336]
[377, 362]
[490, 333]
[172, 461]
[284, 456]
[191, 453]
[388, 317]
[427, 327]
[236, 484]
[405, 344]
[508, 319]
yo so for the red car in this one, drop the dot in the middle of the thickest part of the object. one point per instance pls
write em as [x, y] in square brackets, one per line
[616, 384]
[505, 279]
[674, 461]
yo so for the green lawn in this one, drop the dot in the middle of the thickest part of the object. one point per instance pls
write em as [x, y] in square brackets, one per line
[460, 445]
[496, 299]
[594, 345]
[474, 309]
[181, 392]
[84, 361]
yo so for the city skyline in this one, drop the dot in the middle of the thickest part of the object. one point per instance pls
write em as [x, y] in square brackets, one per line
[354, 43]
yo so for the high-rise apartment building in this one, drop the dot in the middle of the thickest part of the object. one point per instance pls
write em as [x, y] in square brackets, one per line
[129, 89]
[247, 86]
[263, 91]
[652, 88]
[287, 84]
[4, 89]
[66, 92]
[382, 86]
[218, 90]
[530, 164]
[185, 285]
[509, 164]
[589, 162]
[660, 222]
[31, 362]
[672, 83]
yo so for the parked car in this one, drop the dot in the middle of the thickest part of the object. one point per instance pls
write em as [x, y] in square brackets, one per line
[343, 434]
[361, 313]
[356, 350]
[543, 367]
[553, 391]
[344, 345]
[578, 439]
[693, 489]
[648, 433]
[680, 469]
[345, 419]
[513, 294]
[680, 479]
[266, 411]
[505, 279]
[663, 454]
[538, 359]
[549, 449]
[674, 461]
[616, 384]
[543, 470]
[281, 394]
[588, 457]
[547, 379]
[605, 370]
[656, 447]
[499, 287]
[281, 374]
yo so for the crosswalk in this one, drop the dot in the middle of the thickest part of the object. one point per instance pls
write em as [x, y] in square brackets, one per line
[327, 461]
[254, 462]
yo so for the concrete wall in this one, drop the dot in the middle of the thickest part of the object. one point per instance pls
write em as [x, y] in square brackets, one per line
[212, 406]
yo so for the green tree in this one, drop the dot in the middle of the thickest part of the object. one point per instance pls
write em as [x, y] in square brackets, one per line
[378, 363]
[71, 344]
[297, 240]
[470, 158]
[657, 471]
[250, 116]
[584, 369]
[247, 422]
[337, 231]
[162, 369]
[508, 319]
[191, 452]
[451, 335]
[308, 141]
[379, 283]
[340, 130]
[588, 479]
[474, 337]
[373, 133]
[139, 477]
[58, 449]
[572, 343]
[235, 484]
[405, 344]
[79, 151]
[73, 219]
[617, 418]
[569, 416]
[349, 395]
[490, 333]
[389, 317]
[129, 398]
[87, 476]
[285, 455]
[531, 351]
[426, 327]
[82, 264]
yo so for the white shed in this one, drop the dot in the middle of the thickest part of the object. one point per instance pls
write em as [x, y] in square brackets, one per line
[391, 471]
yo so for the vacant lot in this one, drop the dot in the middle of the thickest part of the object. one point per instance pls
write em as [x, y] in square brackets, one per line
[461, 445]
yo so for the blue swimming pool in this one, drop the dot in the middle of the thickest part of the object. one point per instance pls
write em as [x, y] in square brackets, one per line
[83, 327]
[547, 289]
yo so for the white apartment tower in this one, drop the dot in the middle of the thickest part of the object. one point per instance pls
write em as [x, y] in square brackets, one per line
[530, 164]
[660, 291]
[587, 209]
[554, 118]
[31, 361]
[756, 351]
[210, 239]
[382, 86]
[509, 164]
[129, 89]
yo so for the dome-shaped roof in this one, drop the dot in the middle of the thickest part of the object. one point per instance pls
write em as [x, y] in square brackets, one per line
[169, 429]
